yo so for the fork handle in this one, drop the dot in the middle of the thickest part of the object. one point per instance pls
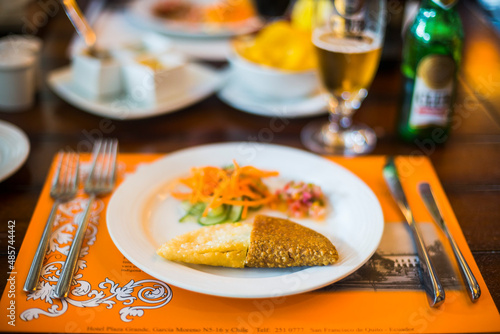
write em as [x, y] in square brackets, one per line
[66, 277]
[36, 266]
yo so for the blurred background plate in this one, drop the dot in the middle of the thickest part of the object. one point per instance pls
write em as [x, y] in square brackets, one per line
[141, 12]
[14, 149]
[115, 28]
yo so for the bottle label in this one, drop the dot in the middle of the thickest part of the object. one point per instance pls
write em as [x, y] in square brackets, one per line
[433, 90]
[445, 4]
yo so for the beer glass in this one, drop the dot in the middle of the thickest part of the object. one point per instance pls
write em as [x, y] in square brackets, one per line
[348, 37]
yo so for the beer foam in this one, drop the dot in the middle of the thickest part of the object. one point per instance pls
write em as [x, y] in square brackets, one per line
[327, 40]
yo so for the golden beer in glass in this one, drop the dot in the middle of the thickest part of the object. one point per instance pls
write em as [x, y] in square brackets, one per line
[348, 37]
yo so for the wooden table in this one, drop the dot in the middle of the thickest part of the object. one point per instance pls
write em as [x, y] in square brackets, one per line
[468, 164]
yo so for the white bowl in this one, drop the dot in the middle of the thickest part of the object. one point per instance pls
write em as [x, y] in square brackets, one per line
[272, 83]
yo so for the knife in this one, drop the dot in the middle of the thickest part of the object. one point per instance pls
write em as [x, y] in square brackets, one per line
[428, 276]
[474, 291]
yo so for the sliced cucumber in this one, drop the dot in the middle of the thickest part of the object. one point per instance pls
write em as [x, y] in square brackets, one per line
[216, 212]
[222, 214]
[193, 213]
[215, 216]
[186, 205]
[197, 209]
[235, 212]
[188, 218]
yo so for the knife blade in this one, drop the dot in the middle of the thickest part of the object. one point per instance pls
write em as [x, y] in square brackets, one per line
[428, 277]
[473, 289]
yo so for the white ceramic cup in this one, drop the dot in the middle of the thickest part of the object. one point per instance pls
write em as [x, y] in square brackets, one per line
[96, 78]
[147, 86]
[17, 81]
[24, 45]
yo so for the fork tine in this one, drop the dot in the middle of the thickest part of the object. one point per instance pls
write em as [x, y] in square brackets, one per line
[67, 172]
[114, 154]
[95, 156]
[72, 166]
[77, 171]
[55, 180]
[105, 163]
[111, 162]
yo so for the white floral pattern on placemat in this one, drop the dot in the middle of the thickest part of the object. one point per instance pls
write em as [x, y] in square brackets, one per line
[152, 293]
[134, 296]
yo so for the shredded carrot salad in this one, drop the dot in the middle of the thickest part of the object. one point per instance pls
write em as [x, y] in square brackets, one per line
[234, 185]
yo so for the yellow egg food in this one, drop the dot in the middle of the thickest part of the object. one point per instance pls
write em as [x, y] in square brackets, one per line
[151, 62]
[279, 45]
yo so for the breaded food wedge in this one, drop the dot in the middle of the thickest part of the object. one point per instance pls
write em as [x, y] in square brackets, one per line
[282, 243]
[268, 242]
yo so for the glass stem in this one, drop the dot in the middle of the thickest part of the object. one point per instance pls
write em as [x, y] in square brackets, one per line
[340, 116]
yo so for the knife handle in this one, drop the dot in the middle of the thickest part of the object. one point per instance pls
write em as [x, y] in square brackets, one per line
[473, 290]
[432, 285]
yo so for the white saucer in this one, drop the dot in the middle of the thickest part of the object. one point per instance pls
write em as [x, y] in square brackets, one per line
[14, 149]
[237, 97]
[202, 82]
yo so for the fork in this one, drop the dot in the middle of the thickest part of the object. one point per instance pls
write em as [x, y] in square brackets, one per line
[64, 188]
[100, 181]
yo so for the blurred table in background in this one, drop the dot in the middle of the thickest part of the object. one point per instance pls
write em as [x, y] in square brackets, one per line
[468, 164]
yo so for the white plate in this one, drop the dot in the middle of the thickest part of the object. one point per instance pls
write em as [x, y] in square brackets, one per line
[140, 13]
[202, 82]
[234, 95]
[14, 149]
[141, 216]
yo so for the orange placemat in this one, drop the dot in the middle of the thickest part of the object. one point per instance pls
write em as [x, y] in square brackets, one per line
[112, 295]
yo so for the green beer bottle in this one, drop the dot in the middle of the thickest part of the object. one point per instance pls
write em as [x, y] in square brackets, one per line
[432, 51]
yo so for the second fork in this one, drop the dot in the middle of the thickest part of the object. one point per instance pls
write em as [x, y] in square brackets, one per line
[100, 181]
[64, 188]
